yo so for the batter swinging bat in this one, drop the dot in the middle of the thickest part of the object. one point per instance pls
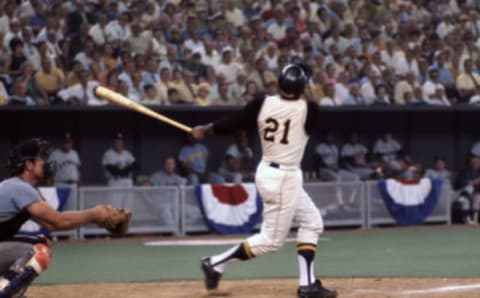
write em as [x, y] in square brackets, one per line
[119, 99]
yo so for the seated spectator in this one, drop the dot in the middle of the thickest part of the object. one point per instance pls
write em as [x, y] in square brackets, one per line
[439, 98]
[184, 85]
[237, 89]
[468, 81]
[382, 95]
[429, 88]
[49, 81]
[223, 97]
[193, 158]
[329, 98]
[468, 184]
[150, 96]
[404, 85]
[80, 93]
[19, 95]
[167, 176]
[238, 164]
[261, 75]
[354, 157]
[249, 94]
[125, 90]
[355, 96]
[202, 95]
[439, 170]
[228, 68]
[326, 157]
[13, 64]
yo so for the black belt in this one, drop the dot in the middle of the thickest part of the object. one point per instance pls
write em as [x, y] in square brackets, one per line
[274, 165]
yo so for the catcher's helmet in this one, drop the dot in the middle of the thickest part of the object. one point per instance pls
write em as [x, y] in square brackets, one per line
[30, 150]
[292, 80]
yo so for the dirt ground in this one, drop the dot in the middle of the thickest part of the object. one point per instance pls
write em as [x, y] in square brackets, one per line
[357, 287]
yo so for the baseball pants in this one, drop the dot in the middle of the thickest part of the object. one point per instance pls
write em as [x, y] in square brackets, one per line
[284, 200]
[14, 253]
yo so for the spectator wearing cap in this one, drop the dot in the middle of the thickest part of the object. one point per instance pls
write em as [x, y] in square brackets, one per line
[80, 93]
[49, 81]
[66, 163]
[261, 75]
[468, 81]
[228, 68]
[118, 164]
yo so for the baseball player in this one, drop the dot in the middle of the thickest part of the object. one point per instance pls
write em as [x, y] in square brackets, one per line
[118, 164]
[284, 123]
[22, 259]
[66, 163]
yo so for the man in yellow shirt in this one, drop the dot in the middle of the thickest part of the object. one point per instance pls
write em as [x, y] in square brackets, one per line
[468, 81]
[49, 81]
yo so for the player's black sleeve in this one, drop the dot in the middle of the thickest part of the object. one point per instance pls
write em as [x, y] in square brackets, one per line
[243, 119]
[311, 123]
[113, 170]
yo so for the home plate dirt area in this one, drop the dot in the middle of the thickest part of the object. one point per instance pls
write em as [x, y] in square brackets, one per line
[274, 288]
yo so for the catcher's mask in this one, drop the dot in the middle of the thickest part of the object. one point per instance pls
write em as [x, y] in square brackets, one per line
[30, 150]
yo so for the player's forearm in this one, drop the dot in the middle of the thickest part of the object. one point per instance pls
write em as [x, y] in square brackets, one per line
[71, 219]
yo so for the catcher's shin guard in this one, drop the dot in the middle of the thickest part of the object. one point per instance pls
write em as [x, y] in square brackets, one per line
[17, 279]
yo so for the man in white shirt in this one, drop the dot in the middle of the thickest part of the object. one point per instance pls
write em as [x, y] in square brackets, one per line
[355, 156]
[98, 32]
[233, 14]
[278, 29]
[118, 30]
[387, 147]
[367, 87]
[14, 32]
[431, 85]
[228, 68]
[82, 92]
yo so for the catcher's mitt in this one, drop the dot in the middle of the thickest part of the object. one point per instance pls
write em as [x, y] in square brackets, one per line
[118, 221]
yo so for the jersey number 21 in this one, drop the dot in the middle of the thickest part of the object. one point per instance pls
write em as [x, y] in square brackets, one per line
[272, 127]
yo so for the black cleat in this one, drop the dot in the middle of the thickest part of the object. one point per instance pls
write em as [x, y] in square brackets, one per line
[315, 290]
[212, 277]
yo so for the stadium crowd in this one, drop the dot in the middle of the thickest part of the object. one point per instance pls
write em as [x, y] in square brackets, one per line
[165, 52]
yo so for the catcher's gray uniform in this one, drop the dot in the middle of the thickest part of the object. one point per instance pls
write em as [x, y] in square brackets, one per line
[15, 196]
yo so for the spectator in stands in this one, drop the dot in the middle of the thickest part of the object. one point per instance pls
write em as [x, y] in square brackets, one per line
[13, 64]
[238, 164]
[150, 96]
[329, 98]
[19, 95]
[223, 96]
[3, 94]
[193, 157]
[261, 75]
[185, 85]
[404, 85]
[66, 163]
[468, 184]
[355, 96]
[354, 157]
[202, 95]
[249, 93]
[167, 176]
[80, 93]
[468, 81]
[228, 68]
[50, 80]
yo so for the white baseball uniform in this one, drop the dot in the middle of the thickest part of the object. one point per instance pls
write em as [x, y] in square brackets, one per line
[284, 127]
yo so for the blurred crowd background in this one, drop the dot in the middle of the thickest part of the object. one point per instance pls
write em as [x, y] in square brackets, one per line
[206, 52]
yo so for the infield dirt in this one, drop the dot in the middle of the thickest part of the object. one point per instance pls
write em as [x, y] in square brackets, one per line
[274, 288]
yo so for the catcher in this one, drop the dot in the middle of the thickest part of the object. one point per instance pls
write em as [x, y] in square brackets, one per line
[22, 259]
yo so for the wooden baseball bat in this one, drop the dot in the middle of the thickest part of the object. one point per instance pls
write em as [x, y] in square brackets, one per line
[119, 99]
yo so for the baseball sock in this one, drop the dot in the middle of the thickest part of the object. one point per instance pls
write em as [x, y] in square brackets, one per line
[306, 255]
[240, 252]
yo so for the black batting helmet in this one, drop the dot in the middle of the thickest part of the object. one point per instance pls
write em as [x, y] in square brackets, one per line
[30, 150]
[292, 80]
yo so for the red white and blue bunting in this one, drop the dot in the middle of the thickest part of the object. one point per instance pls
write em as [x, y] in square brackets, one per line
[410, 202]
[229, 208]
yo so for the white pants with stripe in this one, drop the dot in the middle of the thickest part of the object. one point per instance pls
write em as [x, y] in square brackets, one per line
[284, 200]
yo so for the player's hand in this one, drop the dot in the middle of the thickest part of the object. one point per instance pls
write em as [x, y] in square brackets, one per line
[199, 132]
